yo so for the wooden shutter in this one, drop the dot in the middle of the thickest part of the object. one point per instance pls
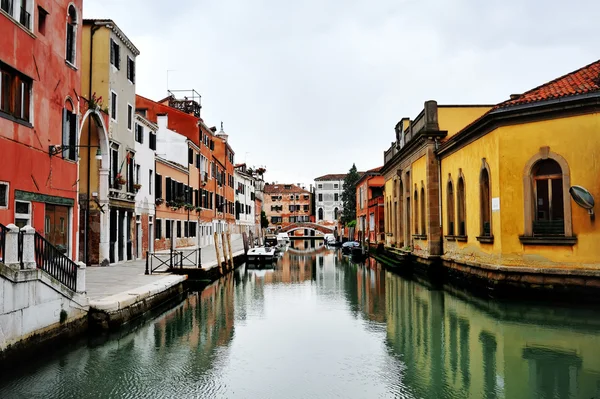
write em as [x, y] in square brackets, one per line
[168, 184]
[72, 136]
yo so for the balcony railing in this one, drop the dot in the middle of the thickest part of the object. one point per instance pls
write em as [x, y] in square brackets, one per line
[375, 201]
[25, 18]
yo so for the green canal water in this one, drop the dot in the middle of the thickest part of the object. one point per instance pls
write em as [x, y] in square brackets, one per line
[319, 326]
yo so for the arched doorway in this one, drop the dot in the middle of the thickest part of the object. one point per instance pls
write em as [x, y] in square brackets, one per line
[94, 165]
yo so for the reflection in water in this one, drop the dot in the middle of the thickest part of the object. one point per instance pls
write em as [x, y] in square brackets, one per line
[321, 326]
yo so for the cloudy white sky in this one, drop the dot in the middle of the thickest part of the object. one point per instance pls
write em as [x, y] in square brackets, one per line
[308, 87]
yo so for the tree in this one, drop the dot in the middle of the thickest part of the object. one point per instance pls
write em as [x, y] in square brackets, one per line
[349, 195]
[264, 222]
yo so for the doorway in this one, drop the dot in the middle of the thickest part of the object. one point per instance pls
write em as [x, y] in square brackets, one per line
[56, 228]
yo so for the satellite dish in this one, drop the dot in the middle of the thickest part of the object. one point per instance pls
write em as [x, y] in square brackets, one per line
[583, 198]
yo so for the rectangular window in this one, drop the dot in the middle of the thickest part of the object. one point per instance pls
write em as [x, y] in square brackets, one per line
[158, 229]
[139, 133]
[113, 105]
[150, 177]
[114, 164]
[158, 181]
[22, 213]
[167, 229]
[319, 186]
[3, 195]
[130, 70]
[335, 186]
[129, 116]
[15, 89]
[115, 54]
[7, 5]
[179, 229]
[138, 174]
[152, 143]
[69, 141]
[190, 156]
[186, 231]
[336, 197]
[320, 197]
[192, 227]
[42, 14]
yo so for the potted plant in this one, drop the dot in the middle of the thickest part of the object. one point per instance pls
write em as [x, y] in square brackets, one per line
[198, 209]
[119, 179]
[189, 207]
[137, 187]
[159, 201]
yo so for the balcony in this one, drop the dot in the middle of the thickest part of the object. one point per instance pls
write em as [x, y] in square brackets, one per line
[25, 18]
[190, 103]
[377, 201]
[7, 5]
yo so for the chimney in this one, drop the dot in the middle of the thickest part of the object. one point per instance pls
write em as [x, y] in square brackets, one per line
[515, 96]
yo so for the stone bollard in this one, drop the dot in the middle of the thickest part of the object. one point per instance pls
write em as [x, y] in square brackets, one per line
[28, 247]
[81, 268]
[11, 255]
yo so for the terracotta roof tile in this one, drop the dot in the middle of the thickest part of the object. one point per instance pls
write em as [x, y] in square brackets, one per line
[582, 81]
[282, 188]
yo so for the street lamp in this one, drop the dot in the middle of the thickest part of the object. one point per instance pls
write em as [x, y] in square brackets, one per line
[57, 149]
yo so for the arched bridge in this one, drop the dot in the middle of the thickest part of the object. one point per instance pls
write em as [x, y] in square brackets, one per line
[309, 226]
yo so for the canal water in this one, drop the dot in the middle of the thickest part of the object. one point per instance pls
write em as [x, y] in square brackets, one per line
[320, 326]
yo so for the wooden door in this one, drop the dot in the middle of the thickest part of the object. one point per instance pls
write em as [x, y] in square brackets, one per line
[57, 226]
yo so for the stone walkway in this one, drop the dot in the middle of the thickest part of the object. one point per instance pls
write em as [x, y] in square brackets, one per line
[110, 280]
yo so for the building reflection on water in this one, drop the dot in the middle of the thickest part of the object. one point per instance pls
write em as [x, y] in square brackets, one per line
[458, 346]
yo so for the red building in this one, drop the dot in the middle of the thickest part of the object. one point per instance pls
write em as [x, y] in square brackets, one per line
[40, 59]
[369, 207]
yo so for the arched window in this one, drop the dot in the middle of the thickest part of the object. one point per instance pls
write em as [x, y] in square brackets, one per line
[450, 204]
[320, 213]
[416, 210]
[549, 218]
[485, 202]
[423, 213]
[336, 212]
[71, 34]
[460, 198]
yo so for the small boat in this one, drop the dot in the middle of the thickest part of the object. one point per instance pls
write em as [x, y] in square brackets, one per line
[283, 238]
[351, 248]
[261, 255]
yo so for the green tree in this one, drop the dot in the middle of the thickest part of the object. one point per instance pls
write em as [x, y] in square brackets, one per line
[264, 222]
[349, 195]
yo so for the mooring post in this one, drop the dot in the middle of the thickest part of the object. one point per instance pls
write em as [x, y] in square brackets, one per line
[217, 250]
[147, 272]
[230, 251]
[224, 241]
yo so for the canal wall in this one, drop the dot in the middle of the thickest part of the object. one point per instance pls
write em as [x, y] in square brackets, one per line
[498, 281]
[36, 309]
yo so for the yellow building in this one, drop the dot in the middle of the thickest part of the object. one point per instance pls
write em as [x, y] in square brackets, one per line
[411, 172]
[499, 182]
[506, 179]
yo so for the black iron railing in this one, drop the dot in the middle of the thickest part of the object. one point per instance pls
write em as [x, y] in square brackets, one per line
[549, 228]
[25, 18]
[51, 260]
[2, 242]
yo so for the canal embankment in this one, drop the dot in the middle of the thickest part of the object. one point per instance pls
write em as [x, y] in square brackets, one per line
[497, 281]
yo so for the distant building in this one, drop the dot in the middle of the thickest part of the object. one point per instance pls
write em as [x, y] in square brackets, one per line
[328, 198]
[369, 207]
[244, 200]
[286, 203]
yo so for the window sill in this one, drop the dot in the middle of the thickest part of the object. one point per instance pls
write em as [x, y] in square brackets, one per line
[450, 238]
[462, 238]
[419, 236]
[486, 239]
[558, 241]
[73, 67]
[15, 119]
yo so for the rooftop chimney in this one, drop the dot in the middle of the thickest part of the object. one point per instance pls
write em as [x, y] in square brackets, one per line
[515, 96]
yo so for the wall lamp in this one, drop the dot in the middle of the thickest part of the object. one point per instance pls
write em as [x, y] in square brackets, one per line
[57, 149]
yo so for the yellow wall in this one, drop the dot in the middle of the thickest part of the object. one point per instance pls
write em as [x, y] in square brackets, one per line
[418, 172]
[507, 151]
[577, 139]
[454, 119]
[469, 159]
[101, 64]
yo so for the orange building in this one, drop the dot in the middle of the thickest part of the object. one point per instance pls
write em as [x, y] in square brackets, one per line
[40, 63]
[370, 206]
[286, 203]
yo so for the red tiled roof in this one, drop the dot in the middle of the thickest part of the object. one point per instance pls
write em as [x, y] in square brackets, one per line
[280, 188]
[581, 81]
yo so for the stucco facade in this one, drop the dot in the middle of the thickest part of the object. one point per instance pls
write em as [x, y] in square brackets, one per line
[244, 200]
[328, 198]
[285, 204]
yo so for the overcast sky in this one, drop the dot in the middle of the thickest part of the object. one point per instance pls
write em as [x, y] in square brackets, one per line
[308, 87]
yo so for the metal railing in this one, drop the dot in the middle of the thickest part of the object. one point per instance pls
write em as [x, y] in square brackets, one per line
[172, 259]
[2, 242]
[25, 18]
[51, 260]
[549, 228]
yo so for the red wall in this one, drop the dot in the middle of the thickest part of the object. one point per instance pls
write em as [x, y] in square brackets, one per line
[23, 149]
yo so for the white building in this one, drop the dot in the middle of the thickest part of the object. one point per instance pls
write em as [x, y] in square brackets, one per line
[244, 200]
[145, 146]
[328, 198]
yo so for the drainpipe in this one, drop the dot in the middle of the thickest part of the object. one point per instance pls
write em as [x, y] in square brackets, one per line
[89, 173]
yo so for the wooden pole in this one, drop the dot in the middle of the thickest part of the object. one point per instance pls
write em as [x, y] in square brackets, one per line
[217, 250]
[230, 251]
[224, 241]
